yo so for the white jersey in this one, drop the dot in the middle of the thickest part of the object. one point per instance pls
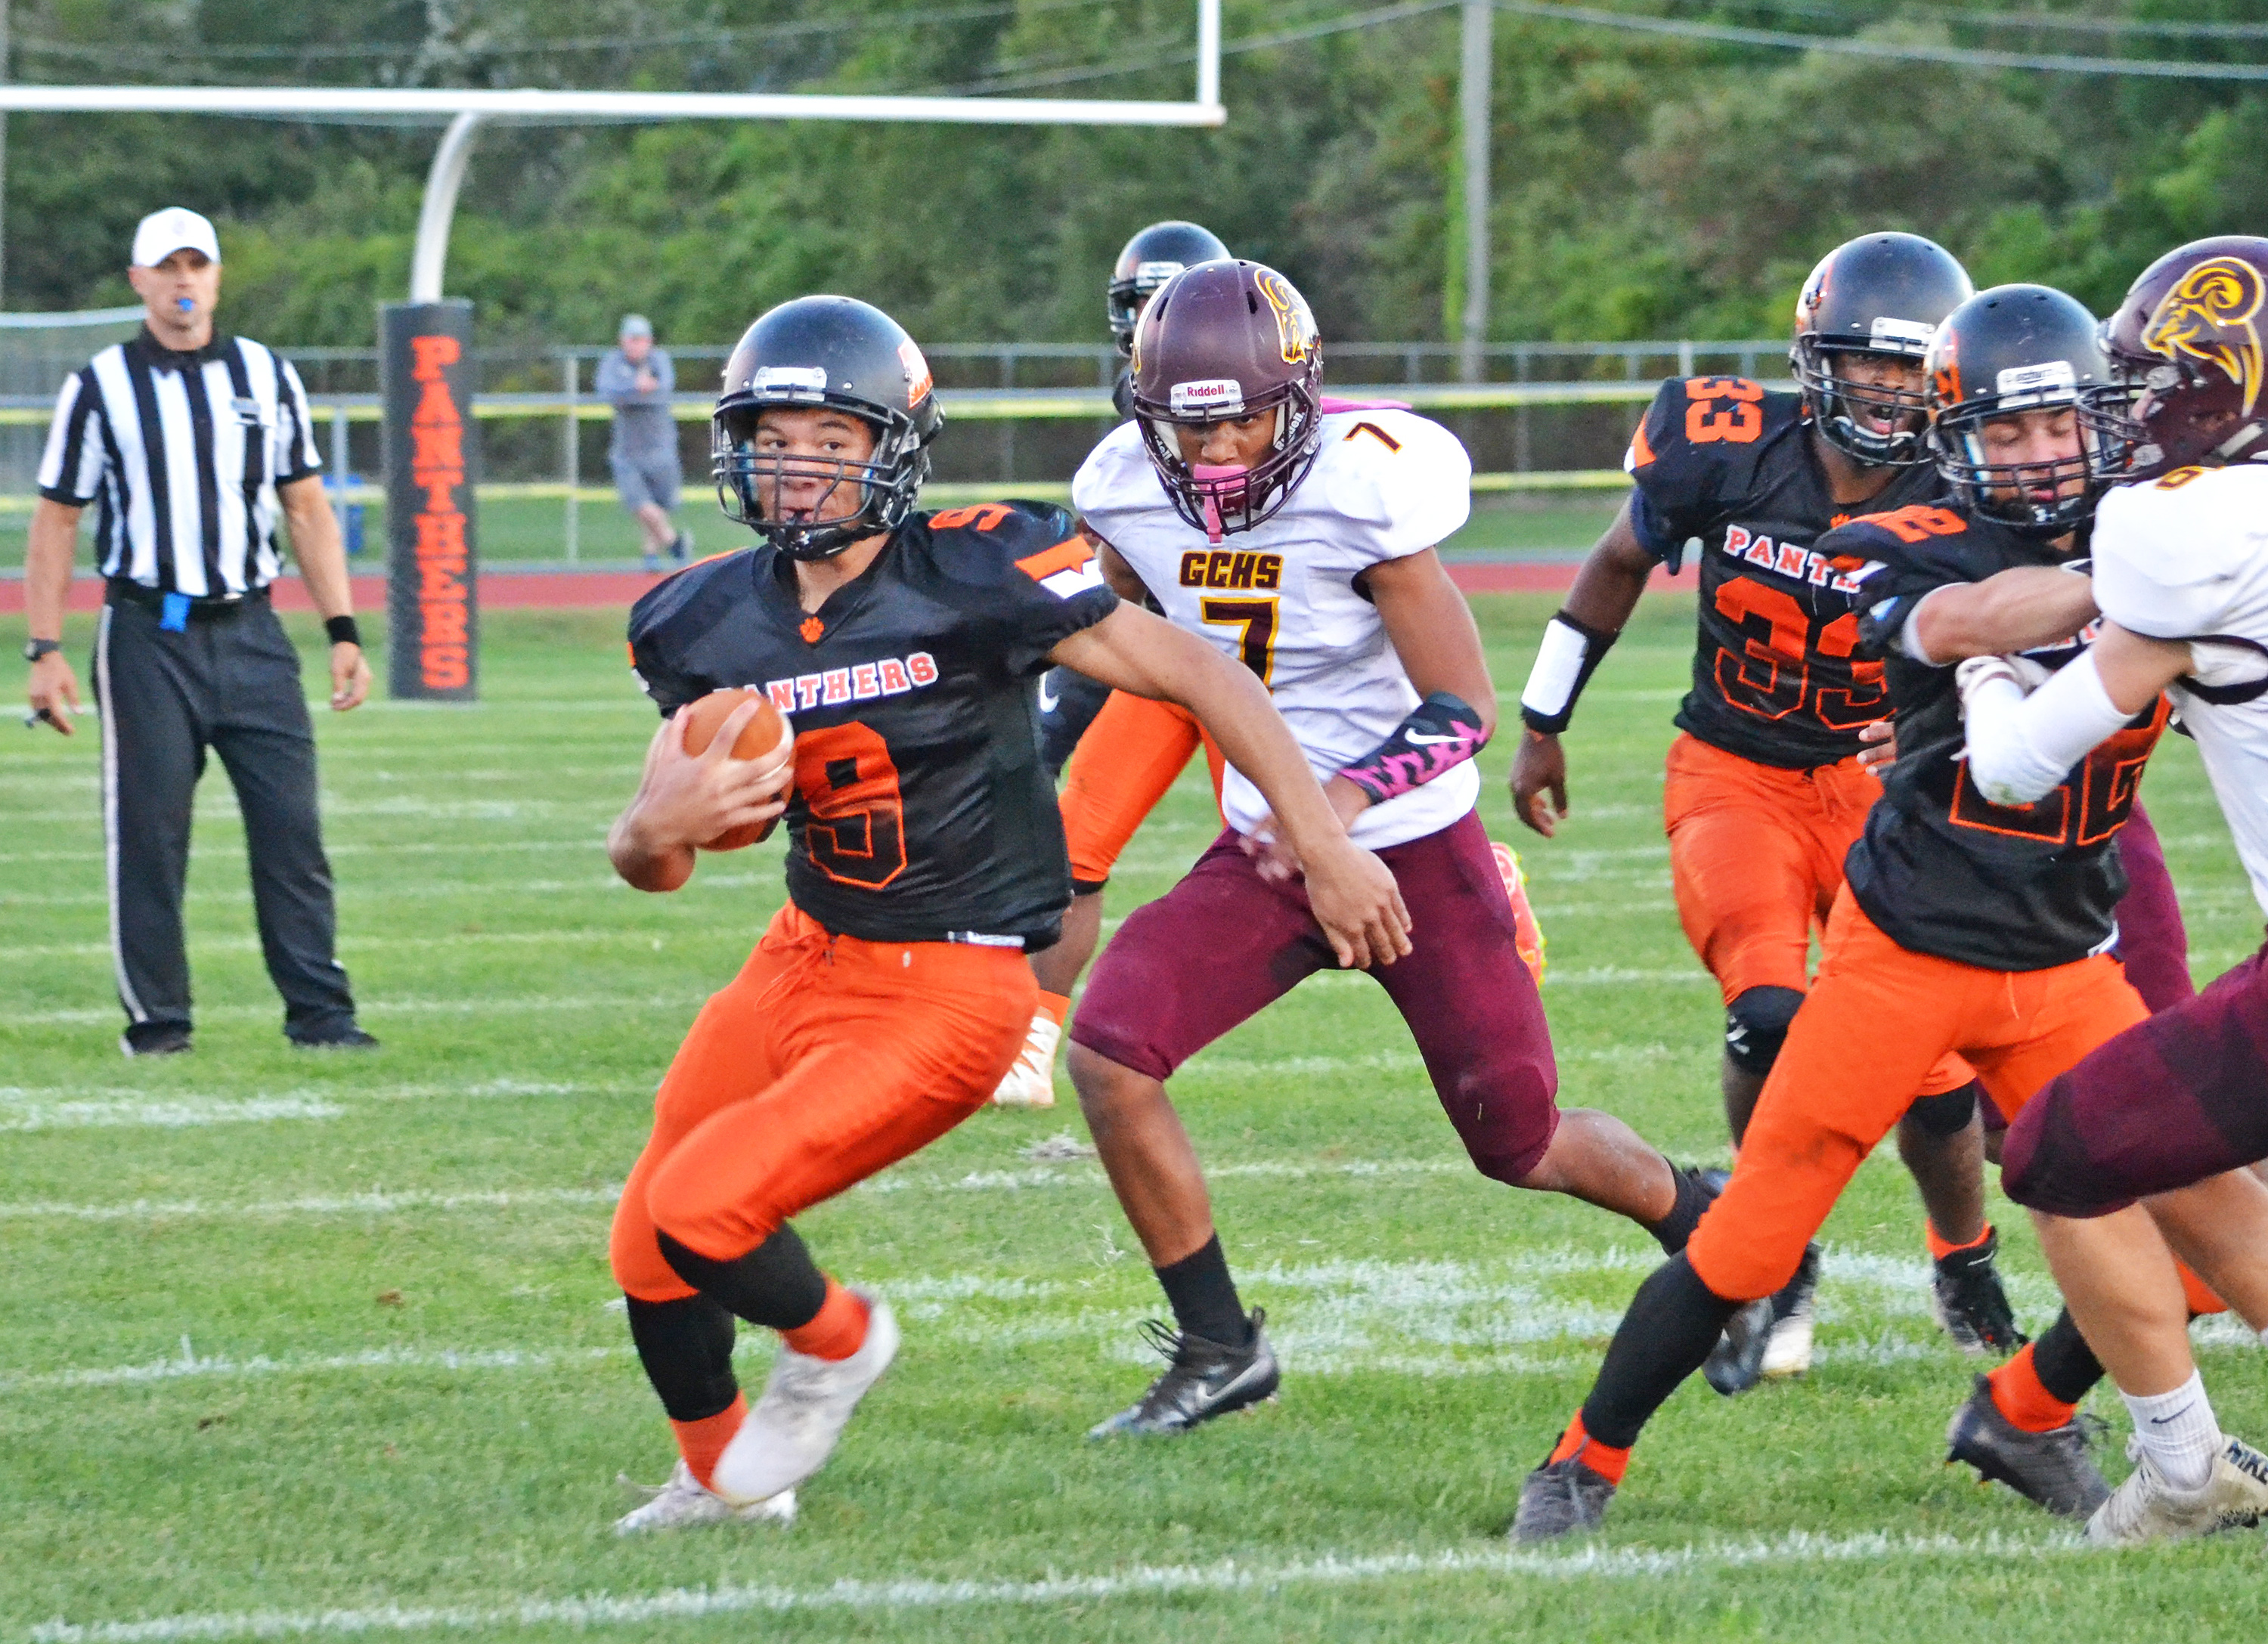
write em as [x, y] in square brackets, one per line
[2186, 558]
[1281, 599]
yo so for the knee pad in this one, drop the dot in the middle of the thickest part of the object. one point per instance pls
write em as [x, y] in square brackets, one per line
[1947, 1114]
[1756, 1024]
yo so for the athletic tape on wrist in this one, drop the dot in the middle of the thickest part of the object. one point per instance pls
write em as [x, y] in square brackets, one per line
[1441, 733]
[1570, 654]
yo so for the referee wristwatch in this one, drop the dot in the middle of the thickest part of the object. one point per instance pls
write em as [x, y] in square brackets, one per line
[35, 649]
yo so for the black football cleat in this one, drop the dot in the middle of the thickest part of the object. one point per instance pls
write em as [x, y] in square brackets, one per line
[1561, 1498]
[337, 1035]
[1203, 1379]
[156, 1038]
[1736, 1363]
[2052, 1469]
[1966, 1299]
[1767, 1339]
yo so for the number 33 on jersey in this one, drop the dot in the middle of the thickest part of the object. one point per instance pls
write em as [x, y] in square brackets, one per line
[1775, 680]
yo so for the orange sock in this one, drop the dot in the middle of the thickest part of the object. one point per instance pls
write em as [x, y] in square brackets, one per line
[1603, 1459]
[1055, 1007]
[835, 1332]
[701, 1442]
[2202, 1300]
[2019, 1395]
[1940, 1247]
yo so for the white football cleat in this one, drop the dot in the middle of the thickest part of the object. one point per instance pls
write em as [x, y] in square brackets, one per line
[1031, 1082]
[2146, 1508]
[807, 1404]
[683, 1502]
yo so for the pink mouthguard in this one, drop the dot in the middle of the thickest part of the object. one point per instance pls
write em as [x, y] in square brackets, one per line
[1216, 484]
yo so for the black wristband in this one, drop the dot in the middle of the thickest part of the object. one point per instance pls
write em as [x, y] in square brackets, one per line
[342, 630]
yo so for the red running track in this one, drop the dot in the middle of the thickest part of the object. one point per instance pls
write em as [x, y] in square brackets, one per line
[562, 591]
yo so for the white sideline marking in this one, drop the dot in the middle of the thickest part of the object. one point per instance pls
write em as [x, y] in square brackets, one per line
[18, 1112]
[405, 847]
[380, 1008]
[372, 1204]
[1328, 1569]
[351, 945]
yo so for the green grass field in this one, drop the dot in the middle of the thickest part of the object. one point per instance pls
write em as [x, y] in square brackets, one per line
[312, 1345]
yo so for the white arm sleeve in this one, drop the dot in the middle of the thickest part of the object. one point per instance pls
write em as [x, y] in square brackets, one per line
[2021, 747]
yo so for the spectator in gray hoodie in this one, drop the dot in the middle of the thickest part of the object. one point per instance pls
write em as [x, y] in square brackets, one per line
[635, 378]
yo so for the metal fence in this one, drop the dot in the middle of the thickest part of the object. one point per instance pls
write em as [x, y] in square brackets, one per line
[1543, 417]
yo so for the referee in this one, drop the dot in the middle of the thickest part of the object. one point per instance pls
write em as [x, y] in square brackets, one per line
[190, 444]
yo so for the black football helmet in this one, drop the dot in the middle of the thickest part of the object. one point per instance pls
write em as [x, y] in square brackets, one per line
[847, 355]
[2006, 352]
[1878, 294]
[1149, 259]
[1219, 342]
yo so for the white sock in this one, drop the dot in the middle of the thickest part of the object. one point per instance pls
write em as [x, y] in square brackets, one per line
[2177, 1431]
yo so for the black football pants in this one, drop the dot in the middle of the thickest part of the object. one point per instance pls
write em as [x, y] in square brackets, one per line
[229, 681]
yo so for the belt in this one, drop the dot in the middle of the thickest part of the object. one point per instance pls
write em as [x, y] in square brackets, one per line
[123, 591]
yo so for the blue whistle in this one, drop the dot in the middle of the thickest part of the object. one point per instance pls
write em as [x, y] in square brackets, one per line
[184, 304]
[173, 613]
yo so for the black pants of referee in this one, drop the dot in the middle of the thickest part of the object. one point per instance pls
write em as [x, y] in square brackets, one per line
[228, 681]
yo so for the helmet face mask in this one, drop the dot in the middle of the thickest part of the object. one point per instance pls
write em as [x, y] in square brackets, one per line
[823, 353]
[1876, 297]
[2027, 412]
[1153, 256]
[1226, 343]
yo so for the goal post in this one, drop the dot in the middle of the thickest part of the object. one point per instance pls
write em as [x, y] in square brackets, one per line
[432, 562]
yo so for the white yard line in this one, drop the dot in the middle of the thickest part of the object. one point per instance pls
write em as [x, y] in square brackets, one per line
[350, 945]
[379, 1009]
[18, 1113]
[1141, 1580]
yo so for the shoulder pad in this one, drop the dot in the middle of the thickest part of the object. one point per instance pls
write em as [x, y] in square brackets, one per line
[1700, 439]
[2171, 556]
[1101, 481]
[687, 591]
[985, 542]
[1402, 481]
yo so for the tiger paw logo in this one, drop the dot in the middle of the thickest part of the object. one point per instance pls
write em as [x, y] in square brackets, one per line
[1945, 366]
[2210, 316]
[812, 630]
[1295, 326]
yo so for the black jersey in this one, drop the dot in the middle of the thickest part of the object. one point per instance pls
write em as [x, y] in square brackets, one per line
[921, 811]
[1777, 677]
[1940, 870]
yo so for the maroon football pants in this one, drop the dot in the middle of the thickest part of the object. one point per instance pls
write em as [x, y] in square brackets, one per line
[1224, 943]
[2170, 1102]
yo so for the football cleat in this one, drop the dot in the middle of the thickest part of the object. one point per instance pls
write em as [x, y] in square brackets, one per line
[1561, 1498]
[1203, 1379]
[1031, 1082]
[684, 1502]
[1787, 1350]
[1966, 1299]
[2052, 1469]
[1527, 933]
[2146, 1508]
[1771, 1336]
[807, 1402]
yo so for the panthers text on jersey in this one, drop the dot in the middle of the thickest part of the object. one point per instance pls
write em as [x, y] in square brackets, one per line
[1282, 598]
[921, 811]
[1776, 678]
[1940, 870]
[2185, 557]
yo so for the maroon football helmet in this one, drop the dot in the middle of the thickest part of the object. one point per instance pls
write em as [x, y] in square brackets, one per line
[1222, 341]
[2187, 335]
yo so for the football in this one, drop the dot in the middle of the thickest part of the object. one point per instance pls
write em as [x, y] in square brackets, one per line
[758, 738]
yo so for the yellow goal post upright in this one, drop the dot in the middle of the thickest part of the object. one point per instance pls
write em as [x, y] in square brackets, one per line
[426, 368]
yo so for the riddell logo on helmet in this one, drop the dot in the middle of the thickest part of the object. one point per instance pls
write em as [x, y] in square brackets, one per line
[1209, 393]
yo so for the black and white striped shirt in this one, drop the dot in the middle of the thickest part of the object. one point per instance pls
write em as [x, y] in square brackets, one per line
[183, 452]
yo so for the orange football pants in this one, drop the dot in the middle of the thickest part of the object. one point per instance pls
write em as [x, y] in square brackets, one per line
[1755, 859]
[825, 1061]
[1877, 1018]
[1121, 769]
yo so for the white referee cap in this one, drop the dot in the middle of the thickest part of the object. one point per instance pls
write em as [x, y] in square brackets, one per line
[162, 234]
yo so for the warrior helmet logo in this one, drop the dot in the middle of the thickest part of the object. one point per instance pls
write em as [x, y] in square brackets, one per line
[1295, 326]
[2210, 316]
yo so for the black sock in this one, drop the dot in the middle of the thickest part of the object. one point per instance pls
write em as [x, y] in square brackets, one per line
[775, 1285]
[1203, 1297]
[2066, 1365]
[1674, 1321]
[1692, 1198]
[686, 1349]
